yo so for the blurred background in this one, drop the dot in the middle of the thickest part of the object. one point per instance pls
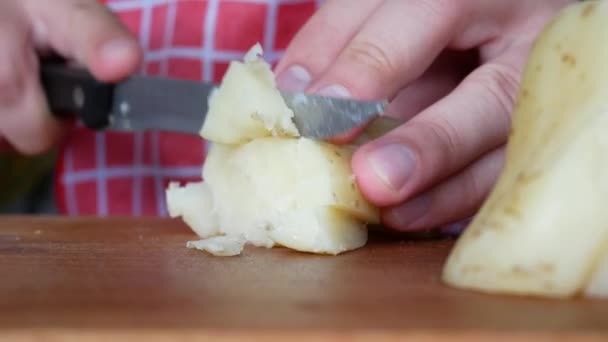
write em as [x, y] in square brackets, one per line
[26, 184]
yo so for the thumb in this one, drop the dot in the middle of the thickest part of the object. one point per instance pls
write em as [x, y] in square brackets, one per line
[24, 121]
[86, 31]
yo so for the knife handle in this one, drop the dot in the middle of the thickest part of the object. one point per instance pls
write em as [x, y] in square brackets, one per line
[73, 91]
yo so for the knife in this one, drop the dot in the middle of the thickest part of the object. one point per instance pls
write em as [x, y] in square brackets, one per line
[142, 103]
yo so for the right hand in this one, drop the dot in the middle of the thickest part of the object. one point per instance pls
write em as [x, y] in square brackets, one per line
[440, 164]
[82, 30]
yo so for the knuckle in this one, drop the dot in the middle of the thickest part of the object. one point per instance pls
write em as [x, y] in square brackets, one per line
[373, 57]
[500, 83]
[446, 11]
[444, 139]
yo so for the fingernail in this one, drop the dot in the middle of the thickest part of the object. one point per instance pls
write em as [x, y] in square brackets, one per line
[295, 78]
[410, 212]
[334, 90]
[393, 164]
[117, 50]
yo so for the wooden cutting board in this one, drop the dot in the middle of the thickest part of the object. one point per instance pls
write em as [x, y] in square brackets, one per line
[133, 279]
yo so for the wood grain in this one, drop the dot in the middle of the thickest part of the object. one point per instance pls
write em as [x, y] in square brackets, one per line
[90, 279]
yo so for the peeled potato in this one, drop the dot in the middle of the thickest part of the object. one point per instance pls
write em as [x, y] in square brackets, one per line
[543, 231]
[247, 104]
[264, 185]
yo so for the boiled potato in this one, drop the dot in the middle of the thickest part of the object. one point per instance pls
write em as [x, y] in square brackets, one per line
[193, 203]
[543, 231]
[262, 183]
[247, 105]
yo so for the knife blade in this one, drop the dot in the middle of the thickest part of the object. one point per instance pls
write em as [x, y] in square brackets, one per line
[142, 103]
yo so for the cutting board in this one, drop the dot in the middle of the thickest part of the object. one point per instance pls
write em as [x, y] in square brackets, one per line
[90, 279]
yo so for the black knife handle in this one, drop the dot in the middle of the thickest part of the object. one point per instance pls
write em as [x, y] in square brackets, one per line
[73, 91]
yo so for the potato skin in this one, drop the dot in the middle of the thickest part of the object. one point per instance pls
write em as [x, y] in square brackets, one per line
[543, 230]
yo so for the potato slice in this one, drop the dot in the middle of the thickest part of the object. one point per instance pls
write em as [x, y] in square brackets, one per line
[247, 104]
[265, 186]
[543, 231]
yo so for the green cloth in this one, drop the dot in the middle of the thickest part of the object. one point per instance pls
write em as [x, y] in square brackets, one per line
[19, 175]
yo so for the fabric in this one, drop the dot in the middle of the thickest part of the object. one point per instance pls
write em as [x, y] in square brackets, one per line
[109, 174]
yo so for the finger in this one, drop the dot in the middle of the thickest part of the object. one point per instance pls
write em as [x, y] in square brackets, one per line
[438, 81]
[455, 199]
[88, 32]
[24, 119]
[434, 84]
[470, 121]
[320, 41]
[389, 52]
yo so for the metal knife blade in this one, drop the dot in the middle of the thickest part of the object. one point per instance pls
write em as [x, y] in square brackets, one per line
[156, 103]
[321, 117]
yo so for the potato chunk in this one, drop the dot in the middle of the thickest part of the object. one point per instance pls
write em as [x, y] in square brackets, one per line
[543, 231]
[247, 105]
[263, 184]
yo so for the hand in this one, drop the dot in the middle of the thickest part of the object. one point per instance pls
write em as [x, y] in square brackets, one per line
[83, 30]
[452, 71]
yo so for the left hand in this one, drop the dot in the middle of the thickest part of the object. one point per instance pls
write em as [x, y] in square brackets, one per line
[452, 70]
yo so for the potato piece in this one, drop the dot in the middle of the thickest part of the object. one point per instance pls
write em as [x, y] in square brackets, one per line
[598, 284]
[543, 231]
[262, 184]
[219, 245]
[297, 193]
[193, 203]
[247, 104]
[288, 174]
[324, 230]
[288, 184]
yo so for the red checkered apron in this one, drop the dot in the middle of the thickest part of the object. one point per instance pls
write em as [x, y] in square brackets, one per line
[125, 174]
